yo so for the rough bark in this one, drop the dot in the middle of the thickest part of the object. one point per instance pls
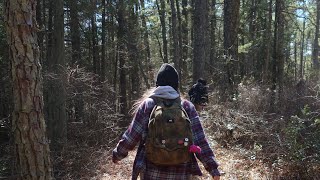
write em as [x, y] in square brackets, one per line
[111, 52]
[315, 52]
[162, 15]
[103, 42]
[302, 49]
[147, 46]
[253, 64]
[213, 44]
[75, 33]
[185, 38]
[40, 22]
[122, 58]
[230, 36]
[55, 103]
[95, 47]
[278, 56]
[200, 22]
[180, 60]
[133, 34]
[49, 32]
[266, 70]
[176, 57]
[31, 148]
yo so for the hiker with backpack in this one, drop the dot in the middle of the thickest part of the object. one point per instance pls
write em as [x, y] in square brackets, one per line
[170, 134]
[198, 94]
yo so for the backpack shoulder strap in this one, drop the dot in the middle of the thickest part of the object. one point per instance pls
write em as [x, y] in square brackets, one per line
[183, 109]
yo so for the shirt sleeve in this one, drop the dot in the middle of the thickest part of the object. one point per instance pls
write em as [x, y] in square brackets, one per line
[135, 131]
[206, 156]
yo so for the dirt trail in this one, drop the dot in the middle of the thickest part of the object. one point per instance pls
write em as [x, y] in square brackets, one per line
[232, 162]
[236, 163]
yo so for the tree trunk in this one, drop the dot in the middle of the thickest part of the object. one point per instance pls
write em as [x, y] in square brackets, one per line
[213, 22]
[76, 54]
[315, 52]
[253, 64]
[147, 47]
[122, 59]
[103, 42]
[176, 57]
[266, 71]
[230, 36]
[95, 47]
[133, 34]
[40, 22]
[185, 38]
[56, 93]
[49, 33]
[162, 15]
[32, 154]
[278, 56]
[295, 60]
[281, 50]
[302, 49]
[75, 33]
[179, 29]
[200, 22]
[111, 47]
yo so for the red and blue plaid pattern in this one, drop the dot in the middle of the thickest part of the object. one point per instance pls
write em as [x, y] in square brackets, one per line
[136, 133]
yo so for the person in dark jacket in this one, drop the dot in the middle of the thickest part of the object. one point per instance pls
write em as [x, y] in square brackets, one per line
[198, 94]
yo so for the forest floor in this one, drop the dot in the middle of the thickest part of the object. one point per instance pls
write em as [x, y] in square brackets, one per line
[236, 163]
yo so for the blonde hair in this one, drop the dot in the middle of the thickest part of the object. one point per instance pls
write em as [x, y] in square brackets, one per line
[139, 101]
[146, 95]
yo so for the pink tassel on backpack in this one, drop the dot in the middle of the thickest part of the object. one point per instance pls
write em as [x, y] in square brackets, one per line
[194, 149]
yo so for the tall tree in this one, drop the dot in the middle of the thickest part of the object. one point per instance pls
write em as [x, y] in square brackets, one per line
[122, 31]
[315, 52]
[213, 43]
[76, 53]
[133, 35]
[179, 48]
[103, 42]
[75, 33]
[49, 33]
[31, 148]
[295, 54]
[94, 36]
[253, 64]
[111, 47]
[162, 15]
[268, 44]
[230, 43]
[174, 32]
[278, 55]
[5, 80]
[302, 49]
[147, 54]
[40, 21]
[200, 22]
[56, 95]
[185, 38]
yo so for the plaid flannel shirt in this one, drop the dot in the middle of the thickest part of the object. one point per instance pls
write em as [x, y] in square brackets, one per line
[136, 133]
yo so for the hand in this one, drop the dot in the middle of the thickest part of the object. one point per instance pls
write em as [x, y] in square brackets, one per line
[114, 160]
[216, 177]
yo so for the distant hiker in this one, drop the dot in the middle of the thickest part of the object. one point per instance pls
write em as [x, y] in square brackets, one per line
[170, 134]
[198, 94]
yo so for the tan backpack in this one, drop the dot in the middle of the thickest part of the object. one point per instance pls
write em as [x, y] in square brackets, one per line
[169, 133]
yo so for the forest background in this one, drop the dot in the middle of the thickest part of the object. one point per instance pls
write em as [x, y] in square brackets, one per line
[96, 57]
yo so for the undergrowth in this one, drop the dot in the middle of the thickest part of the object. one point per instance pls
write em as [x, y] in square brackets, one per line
[287, 140]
